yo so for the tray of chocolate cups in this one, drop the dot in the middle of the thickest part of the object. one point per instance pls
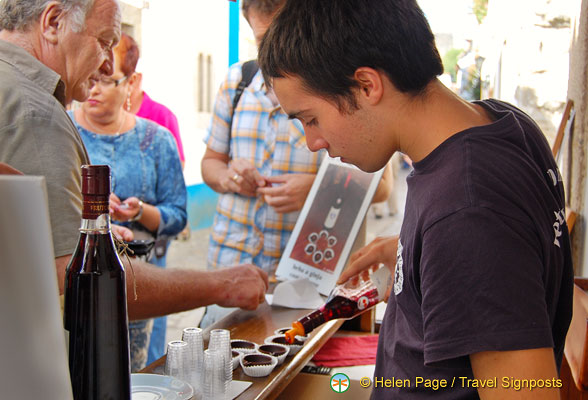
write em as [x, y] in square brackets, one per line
[281, 339]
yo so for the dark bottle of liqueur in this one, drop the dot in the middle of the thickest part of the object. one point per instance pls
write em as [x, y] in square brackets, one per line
[95, 312]
[347, 300]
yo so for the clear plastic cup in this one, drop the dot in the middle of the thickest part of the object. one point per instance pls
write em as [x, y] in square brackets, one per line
[193, 336]
[176, 362]
[215, 385]
[220, 339]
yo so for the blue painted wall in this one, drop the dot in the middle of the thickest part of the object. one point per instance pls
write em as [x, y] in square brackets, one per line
[201, 206]
[234, 32]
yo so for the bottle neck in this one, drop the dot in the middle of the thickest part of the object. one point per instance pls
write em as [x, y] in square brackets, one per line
[95, 216]
[313, 320]
[99, 225]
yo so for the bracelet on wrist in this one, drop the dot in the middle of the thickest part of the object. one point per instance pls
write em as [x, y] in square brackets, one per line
[139, 214]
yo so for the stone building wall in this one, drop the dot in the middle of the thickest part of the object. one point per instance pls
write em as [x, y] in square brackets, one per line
[576, 165]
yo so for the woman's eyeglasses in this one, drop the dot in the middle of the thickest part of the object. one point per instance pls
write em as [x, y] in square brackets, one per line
[108, 82]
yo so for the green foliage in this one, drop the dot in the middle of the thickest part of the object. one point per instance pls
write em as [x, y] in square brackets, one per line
[480, 9]
[450, 62]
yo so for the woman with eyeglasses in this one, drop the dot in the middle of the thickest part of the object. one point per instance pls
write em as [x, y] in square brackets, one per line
[149, 193]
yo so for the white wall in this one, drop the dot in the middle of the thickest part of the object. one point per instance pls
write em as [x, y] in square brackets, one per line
[173, 33]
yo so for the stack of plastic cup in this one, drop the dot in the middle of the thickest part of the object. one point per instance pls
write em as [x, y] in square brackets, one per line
[193, 336]
[176, 362]
[215, 383]
[220, 340]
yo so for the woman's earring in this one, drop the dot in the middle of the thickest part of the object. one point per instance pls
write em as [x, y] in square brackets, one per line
[128, 106]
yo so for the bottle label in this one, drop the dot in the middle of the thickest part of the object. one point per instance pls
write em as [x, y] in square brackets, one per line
[363, 302]
[332, 217]
[94, 206]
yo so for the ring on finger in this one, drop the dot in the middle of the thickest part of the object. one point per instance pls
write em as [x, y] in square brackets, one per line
[235, 177]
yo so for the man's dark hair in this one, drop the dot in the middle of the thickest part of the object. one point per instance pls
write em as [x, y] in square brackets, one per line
[323, 42]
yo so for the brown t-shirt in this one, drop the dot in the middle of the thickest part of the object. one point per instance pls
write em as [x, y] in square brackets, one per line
[38, 138]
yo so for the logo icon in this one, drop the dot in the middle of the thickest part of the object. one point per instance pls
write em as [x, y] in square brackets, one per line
[340, 383]
[362, 302]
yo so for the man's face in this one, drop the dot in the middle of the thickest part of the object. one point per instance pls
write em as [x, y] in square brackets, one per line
[88, 54]
[354, 137]
[259, 23]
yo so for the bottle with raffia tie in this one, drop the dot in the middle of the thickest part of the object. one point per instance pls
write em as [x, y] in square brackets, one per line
[95, 312]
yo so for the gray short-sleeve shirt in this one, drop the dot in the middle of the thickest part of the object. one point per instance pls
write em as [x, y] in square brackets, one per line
[38, 138]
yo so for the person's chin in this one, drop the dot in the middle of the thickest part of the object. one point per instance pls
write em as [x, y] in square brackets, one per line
[365, 166]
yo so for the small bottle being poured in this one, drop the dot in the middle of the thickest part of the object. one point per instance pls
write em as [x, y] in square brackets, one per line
[359, 293]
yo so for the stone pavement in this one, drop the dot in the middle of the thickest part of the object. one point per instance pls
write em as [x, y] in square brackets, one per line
[191, 253]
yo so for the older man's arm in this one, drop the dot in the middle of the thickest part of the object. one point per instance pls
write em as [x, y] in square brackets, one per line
[6, 169]
[166, 291]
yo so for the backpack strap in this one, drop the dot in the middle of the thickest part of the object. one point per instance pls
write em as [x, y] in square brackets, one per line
[248, 71]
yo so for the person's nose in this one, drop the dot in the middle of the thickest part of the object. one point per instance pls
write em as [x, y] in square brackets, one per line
[107, 67]
[314, 141]
[94, 90]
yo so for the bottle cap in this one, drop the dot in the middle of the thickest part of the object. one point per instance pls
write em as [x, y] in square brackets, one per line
[96, 180]
[297, 330]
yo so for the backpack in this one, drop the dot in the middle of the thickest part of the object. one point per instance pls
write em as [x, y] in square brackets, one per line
[248, 71]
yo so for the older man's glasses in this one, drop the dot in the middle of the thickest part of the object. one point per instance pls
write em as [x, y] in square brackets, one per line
[108, 82]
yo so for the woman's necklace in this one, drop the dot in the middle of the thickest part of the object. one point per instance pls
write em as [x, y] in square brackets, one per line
[99, 131]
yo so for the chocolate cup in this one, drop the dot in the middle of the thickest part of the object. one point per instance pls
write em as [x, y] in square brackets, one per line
[282, 340]
[242, 344]
[272, 350]
[251, 360]
[235, 353]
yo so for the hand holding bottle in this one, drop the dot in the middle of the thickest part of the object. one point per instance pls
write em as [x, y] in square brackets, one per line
[382, 250]
[357, 294]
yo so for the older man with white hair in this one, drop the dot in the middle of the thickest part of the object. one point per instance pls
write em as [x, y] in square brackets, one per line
[53, 52]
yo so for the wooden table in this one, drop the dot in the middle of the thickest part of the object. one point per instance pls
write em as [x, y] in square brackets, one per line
[256, 326]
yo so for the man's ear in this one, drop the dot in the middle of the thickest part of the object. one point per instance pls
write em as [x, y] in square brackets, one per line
[50, 20]
[371, 87]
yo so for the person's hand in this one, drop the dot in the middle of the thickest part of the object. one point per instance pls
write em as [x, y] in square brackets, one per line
[113, 202]
[380, 250]
[243, 286]
[122, 233]
[242, 177]
[6, 169]
[123, 211]
[287, 193]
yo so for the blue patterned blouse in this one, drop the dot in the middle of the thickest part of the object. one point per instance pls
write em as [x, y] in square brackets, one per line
[144, 163]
